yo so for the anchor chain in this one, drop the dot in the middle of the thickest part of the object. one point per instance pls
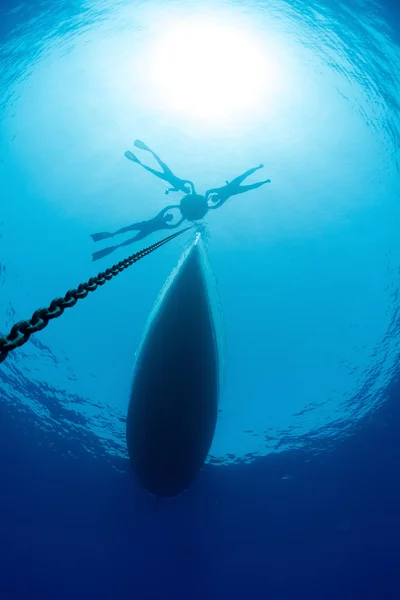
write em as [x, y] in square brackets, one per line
[22, 331]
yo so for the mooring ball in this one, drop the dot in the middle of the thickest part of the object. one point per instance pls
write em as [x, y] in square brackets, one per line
[193, 207]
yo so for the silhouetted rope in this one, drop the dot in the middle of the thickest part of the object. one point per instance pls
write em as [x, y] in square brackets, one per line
[22, 331]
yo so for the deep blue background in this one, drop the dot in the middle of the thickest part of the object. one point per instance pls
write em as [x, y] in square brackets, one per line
[329, 529]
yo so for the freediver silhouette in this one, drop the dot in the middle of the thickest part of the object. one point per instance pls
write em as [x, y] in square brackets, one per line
[157, 223]
[178, 185]
[218, 196]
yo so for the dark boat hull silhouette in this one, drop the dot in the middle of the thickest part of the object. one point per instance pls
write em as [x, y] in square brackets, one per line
[174, 399]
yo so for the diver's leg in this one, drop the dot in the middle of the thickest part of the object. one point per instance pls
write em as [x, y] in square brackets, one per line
[143, 146]
[132, 227]
[241, 178]
[158, 174]
[246, 188]
[106, 251]
[136, 238]
[135, 159]
[162, 164]
[163, 176]
[104, 235]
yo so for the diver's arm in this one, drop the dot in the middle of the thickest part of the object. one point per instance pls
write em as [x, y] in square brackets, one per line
[215, 204]
[162, 214]
[191, 184]
[212, 192]
[213, 196]
[176, 224]
[164, 210]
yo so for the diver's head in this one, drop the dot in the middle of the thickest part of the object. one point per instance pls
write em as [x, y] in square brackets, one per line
[168, 217]
[187, 189]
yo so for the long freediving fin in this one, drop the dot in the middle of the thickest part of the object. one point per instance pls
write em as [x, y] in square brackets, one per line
[102, 253]
[141, 145]
[128, 154]
[96, 237]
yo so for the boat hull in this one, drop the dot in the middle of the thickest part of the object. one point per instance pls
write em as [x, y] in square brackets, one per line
[174, 399]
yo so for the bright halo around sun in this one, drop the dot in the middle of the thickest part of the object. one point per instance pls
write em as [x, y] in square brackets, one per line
[205, 70]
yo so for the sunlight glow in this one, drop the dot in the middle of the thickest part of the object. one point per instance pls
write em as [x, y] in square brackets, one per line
[206, 70]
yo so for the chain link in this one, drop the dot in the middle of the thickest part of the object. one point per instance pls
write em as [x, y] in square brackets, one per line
[22, 331]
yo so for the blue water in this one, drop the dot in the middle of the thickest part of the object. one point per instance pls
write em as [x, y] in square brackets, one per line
[300, 496]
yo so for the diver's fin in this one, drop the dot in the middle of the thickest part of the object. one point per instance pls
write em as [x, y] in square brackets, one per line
[141, 145]
[102, 253]
[96, 237]
[131, 156]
